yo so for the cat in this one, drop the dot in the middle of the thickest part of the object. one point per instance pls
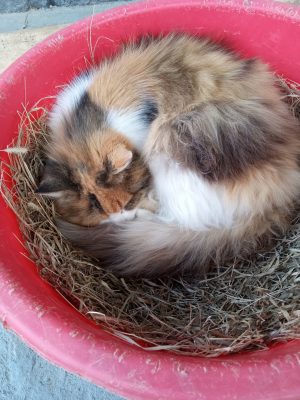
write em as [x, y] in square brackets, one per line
[186, 119]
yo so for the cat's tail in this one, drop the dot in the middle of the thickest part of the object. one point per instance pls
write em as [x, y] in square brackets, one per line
[150, 248]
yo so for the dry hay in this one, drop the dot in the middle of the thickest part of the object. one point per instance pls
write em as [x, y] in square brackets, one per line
[242, 306]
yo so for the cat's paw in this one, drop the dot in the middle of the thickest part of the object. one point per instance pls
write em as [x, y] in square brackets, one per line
[141, 213]
[149, 203]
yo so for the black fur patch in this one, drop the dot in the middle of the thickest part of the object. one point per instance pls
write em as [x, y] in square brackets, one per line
[132, 184]
[222, 140]
[247, 67]
[56, 177]
[150, 111]
[86, 118]
[103, 177]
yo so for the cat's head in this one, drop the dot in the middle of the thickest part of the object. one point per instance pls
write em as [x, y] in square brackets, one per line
[93, 178]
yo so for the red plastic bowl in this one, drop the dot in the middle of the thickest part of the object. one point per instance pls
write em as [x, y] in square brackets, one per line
[36, 312]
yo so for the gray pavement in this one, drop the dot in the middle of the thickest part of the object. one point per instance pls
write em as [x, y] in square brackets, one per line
[26, 376]
[9, 6]
[52, 16]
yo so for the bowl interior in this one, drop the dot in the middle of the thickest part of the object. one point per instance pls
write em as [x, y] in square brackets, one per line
[31, 307]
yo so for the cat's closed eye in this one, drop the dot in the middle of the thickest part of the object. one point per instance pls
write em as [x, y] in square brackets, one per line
[94, 203]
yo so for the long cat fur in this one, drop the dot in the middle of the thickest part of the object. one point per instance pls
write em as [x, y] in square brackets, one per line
[221, 145]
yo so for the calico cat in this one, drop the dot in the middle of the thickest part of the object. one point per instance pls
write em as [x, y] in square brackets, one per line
[212, 130]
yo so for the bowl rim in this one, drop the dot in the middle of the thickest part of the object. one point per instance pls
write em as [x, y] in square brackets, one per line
[56, 332]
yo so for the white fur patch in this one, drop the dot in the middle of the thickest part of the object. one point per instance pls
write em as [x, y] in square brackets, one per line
[189, 200]
[131, 124]
[129, 215]
[68, 99]
[125, 215]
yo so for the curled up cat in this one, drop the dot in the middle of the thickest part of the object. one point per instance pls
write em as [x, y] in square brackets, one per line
[171, 157]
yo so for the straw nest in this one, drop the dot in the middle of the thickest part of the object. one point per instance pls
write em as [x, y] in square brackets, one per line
[245, 305]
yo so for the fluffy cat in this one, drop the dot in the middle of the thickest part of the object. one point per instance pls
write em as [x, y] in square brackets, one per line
[221, 146]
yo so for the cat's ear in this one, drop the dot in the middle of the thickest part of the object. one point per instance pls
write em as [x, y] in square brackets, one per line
[120, 158]
[54, 181]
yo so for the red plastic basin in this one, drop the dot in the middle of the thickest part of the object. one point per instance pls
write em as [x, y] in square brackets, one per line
[36, 312]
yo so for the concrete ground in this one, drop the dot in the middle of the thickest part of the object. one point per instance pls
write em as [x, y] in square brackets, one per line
[9, 6]
[23, 374]
[26, 376]
[20, 31]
